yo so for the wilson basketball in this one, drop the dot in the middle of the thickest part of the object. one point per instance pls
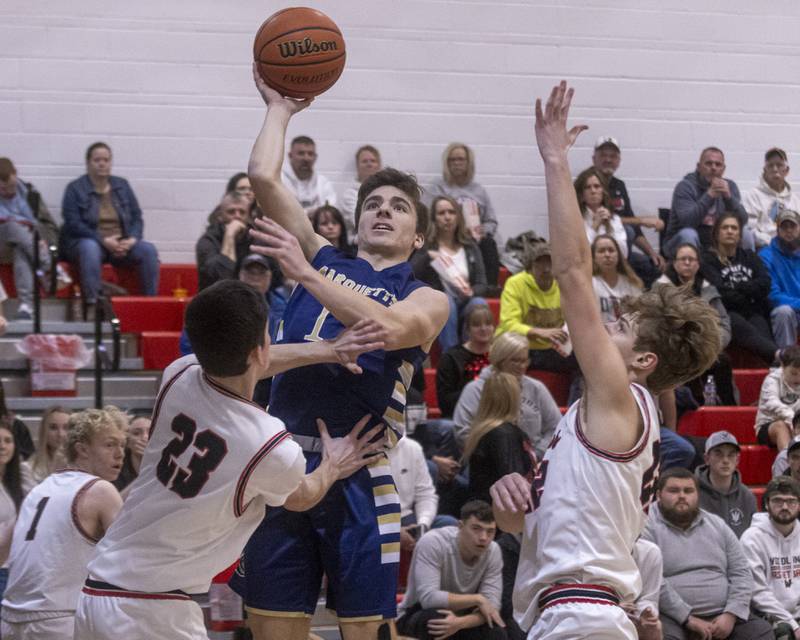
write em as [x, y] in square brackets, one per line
[300, 52]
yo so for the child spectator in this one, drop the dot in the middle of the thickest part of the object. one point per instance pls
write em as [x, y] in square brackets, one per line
[328, 222]
[779, 401]
[464, 362]
[496, 446]
[721, 490]
[743, 284]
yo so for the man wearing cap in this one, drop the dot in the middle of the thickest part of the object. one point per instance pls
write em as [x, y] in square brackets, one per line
[721, 490]
[772, 548]
[783, 263]
[787, 462]
[697, 201]
[773, 193]
[606, 159]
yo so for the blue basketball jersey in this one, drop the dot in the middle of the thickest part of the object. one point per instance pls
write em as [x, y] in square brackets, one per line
[329, 391]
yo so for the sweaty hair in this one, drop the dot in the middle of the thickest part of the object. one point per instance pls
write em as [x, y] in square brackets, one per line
[790, 356]
[682, 330]
[781, 484]
[93, 147]
[302, 140]
[225, 322]
[676, 472]
[405, 182]
[580, 184]
[623, 266]
[83, 426]
[499, 403]
[478, 508]
[7, 169]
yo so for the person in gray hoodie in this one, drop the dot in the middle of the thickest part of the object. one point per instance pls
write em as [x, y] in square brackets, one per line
[772, 548]
[721, 490]
[707, 582]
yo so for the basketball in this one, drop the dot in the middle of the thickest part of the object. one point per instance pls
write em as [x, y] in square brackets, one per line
[300, 52]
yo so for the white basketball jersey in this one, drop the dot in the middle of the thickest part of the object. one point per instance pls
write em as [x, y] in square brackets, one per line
[213, 462]
[590, 506]
[50, 549]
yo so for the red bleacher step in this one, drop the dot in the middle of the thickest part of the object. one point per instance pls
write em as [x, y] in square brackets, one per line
[149, 313]
[755, 463]
[159, 348]
[740, 421]
[749, 382]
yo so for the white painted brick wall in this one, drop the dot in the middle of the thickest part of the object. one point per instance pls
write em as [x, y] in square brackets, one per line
[167, 84]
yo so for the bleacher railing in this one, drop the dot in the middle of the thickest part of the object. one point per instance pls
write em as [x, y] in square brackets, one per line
[102, 361]
[39, 272]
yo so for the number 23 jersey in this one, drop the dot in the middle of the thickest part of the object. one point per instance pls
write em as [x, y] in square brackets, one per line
[213, 461]
[590, 506]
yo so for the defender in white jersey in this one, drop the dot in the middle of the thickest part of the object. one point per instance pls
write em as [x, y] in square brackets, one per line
[59, 523]
[581, 517]
[213, 463]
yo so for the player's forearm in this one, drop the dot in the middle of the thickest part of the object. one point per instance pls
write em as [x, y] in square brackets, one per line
[312, 489]
[570, 248]
[283, 357]
[266, 158]
[508, 521]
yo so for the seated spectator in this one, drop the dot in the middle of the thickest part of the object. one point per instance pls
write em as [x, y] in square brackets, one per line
[103, 223]
[458, 182]
[239, 183]
[328, 222]
[612, 279]
[22, 436]
[451, 263]
[311, 189]
[418, 499]
[50, 454]
[595, 204]
[59, 523]
[137, 437]
[496, 446]
[773, 193]
[779, 401]
[721, 490]
[707, 582]
[772, 549]
[538, 412]
[455, 581]
[783, 264]
[743, 284]
[643, 612]
[464, 362]
[22, 210]
[510, 544]
[530, 305]
[697, 201]
[15, 483]
[368, 161]
[649, 264]
[684, 269]
[787, 462]
[225, 242]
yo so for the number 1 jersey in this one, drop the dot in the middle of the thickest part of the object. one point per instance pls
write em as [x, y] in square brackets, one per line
[213, 462]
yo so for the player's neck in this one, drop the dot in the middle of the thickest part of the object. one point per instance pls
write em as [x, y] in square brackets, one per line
[243, 385]
[379, 261]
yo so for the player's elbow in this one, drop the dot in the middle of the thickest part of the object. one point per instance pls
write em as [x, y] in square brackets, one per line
[262, 175]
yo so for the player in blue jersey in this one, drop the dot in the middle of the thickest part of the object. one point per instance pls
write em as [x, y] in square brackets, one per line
[353, 535]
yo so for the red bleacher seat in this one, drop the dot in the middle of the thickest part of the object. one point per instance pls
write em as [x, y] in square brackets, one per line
[502, 276]
[149, 313]
[749, 381]
[494, 305]
[430, 388]
[159, 348]
[740, 421]
[177, 276]
[755, 463]
[758, 492]
[556, 383]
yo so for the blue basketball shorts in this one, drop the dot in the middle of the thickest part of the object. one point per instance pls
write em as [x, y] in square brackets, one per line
[352, 536]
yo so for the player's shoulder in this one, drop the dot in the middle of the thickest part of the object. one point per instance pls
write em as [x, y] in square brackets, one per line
[176, 367]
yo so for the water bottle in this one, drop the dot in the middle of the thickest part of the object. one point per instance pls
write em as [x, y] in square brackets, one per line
[710, 392]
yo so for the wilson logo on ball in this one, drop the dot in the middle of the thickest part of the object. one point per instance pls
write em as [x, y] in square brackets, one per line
[304, 47]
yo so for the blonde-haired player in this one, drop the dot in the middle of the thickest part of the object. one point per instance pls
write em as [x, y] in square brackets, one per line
[588, 502]
[59, 523]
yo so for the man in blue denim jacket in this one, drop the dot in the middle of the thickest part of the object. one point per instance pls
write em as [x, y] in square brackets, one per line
[103, 223]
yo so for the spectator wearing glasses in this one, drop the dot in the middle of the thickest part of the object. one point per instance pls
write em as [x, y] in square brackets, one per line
[772, 194]
[772, 548]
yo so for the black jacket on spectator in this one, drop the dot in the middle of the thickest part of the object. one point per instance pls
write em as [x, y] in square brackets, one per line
[509, 545]
[743, 283]
[457, 367]
[212, 266]
[421, 264]
[502, 451]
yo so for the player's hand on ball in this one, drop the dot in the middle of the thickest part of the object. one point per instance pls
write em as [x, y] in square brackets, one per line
[551, 124]
[273, 99]
[352, 452]
[512, 493]
[272, 240]
[362, 337]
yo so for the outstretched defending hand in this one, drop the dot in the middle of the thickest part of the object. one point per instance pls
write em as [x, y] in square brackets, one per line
[551, 124]
[274, 99]
[347, 455]
[363, 336]
[275, 241]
